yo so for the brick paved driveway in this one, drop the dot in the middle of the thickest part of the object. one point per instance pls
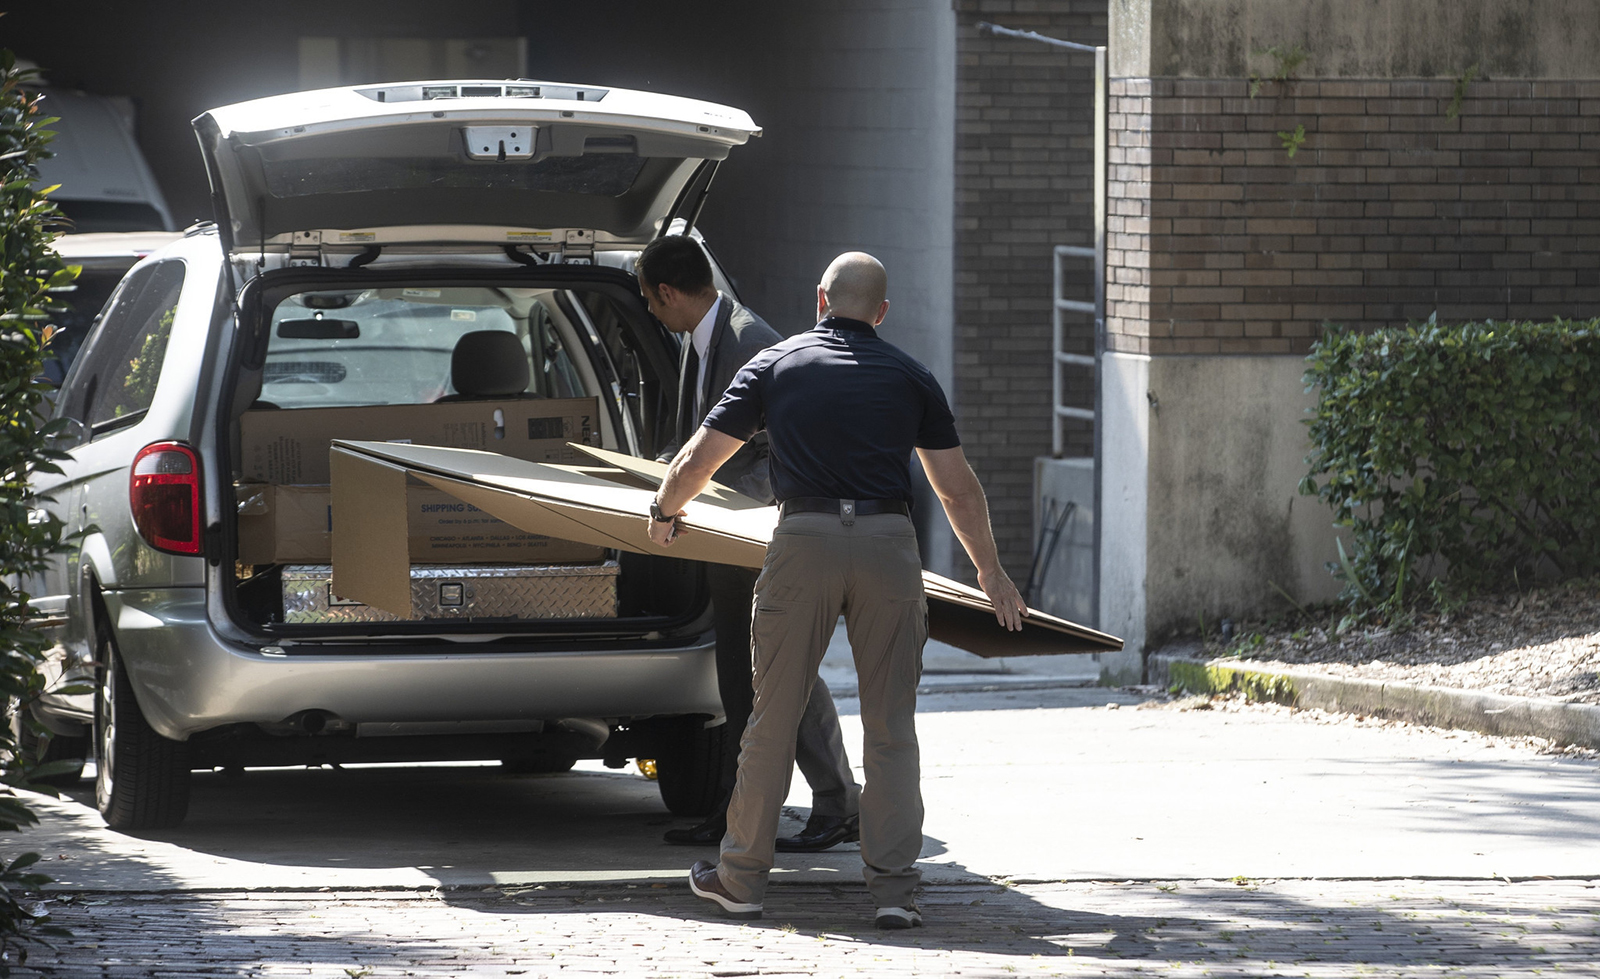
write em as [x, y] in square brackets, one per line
[449, 872]
[1175, 928]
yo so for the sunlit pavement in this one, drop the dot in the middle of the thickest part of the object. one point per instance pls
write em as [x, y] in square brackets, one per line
[1063, 837]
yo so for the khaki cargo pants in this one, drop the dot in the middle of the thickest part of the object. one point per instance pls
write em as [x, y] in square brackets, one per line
[817, 567]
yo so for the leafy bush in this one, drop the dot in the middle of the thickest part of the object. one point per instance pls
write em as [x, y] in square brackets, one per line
[1470, 453]
[29, 274]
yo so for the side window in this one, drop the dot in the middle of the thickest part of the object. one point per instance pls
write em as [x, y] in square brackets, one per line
[554, 374]
[115, 374]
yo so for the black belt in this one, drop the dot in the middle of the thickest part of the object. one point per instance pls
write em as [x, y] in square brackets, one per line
[844, 508]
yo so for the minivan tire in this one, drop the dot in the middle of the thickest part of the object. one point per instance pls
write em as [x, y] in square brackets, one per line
[689, 770]
[57, 747]
[142, 779]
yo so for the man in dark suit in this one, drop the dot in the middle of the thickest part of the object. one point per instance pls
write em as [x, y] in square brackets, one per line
[675, 277]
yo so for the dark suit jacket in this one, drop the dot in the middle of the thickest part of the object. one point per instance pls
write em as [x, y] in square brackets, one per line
[738, 336]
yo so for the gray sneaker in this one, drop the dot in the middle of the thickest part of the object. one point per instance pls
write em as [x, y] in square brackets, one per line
[897, 918]
[707, 883]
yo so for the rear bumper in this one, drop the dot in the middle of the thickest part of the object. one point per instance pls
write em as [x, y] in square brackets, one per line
[187, 679]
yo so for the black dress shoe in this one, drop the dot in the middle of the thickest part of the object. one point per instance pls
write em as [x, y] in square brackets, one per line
[708, 833]
[822, 832]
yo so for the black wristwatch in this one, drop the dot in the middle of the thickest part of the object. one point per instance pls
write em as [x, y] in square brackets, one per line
[657, 515]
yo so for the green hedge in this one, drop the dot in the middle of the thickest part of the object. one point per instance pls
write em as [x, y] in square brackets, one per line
[32, 278]
[1476, 444]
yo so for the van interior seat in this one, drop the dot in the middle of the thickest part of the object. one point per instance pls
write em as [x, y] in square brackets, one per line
[489, 364]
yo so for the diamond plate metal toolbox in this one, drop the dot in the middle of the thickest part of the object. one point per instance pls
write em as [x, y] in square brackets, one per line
[444, 592]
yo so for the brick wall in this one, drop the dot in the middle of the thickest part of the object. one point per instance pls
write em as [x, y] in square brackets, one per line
[1024, 153]
[1219, 243]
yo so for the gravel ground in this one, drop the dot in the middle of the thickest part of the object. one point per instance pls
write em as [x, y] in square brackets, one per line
[1538, 643]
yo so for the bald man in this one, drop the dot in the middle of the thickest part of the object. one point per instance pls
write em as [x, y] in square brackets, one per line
[843, 410]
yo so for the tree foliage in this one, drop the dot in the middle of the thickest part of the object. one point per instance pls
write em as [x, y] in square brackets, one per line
[32, 278]
[1468, 454]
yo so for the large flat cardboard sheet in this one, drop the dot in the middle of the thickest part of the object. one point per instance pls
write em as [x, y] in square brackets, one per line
[951, 603]
[573, 503]
[653, 474]
[371, 556]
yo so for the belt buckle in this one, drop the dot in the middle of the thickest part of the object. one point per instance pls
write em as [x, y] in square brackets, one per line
[847, 512]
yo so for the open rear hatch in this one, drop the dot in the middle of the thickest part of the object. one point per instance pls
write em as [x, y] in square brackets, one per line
[453, 168]
[460, 161]
[373, 353]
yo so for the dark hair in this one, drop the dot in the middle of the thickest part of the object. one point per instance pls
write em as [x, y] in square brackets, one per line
[676, 261]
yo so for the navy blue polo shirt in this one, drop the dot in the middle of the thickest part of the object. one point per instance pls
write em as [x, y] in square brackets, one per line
[843, 408]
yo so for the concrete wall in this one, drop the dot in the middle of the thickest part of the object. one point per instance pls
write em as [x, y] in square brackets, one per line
[1227, 527]
[179, 59]
[857, 101]
[1226, 256]
[1358, 38]
[1125, 497]
[1201, 512]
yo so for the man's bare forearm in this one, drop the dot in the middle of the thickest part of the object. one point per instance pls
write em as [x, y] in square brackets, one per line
[969, 517]
[693, 467]
[968, 510]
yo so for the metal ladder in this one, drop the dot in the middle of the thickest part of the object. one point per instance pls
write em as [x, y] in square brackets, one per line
[1061, 306]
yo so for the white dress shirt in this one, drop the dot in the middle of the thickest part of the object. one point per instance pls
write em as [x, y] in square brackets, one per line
[701, 338]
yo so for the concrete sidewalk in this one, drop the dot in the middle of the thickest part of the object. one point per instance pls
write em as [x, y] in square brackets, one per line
[1444, 707]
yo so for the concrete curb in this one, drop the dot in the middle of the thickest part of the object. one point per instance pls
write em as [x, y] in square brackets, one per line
[1469, 710]
[979, 683]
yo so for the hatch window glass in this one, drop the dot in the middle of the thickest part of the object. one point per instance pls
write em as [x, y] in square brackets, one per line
[395, 345]
[593, 174]
[113, 380]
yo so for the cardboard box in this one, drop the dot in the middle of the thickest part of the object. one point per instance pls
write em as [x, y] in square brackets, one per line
[290, 446]
[283, 524]
[294, 524]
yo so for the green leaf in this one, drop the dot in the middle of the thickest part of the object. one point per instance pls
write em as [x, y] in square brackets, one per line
[1470, 447]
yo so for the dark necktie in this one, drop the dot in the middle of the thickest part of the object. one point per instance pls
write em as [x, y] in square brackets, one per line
[687, 391]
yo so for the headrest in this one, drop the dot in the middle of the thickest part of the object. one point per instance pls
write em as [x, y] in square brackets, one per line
[489, 364]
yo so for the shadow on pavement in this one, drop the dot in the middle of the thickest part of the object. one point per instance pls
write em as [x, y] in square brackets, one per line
[417, 826]
[1189, 928]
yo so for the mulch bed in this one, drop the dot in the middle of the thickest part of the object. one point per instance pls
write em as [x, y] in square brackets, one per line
[1541, 642]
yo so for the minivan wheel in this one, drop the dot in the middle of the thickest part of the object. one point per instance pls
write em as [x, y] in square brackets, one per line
[689, 770]
[142, 779]
[52, 748]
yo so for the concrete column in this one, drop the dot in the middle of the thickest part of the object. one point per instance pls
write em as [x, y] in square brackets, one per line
[1437, 168]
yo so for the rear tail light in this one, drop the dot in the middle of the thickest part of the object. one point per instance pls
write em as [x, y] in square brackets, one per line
[164, 493]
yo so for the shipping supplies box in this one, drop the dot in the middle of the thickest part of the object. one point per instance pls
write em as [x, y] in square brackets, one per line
[290, 446]
[293, 525]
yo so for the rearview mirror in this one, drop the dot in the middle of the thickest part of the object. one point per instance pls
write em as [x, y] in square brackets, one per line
[319, 329]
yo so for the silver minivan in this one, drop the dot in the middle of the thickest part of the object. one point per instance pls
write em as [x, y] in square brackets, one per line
[394, 250]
